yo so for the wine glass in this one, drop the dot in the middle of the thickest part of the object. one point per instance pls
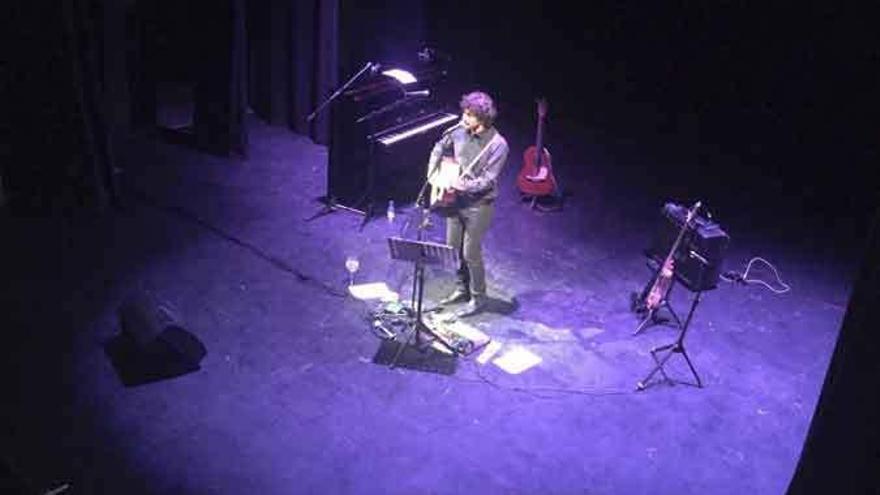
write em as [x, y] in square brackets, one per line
[352, 264]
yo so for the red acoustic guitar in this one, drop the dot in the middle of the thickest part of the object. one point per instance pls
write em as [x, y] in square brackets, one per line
[536, 176]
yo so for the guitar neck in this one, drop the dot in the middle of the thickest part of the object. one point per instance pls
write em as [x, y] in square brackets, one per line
[539, 140]
[675, 244]
[690, 216]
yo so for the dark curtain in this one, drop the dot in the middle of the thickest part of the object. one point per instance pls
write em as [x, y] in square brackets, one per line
[293, 62]
[56, 151]
[86, 32]
[201, 43]
[219, 63]
[142, 68]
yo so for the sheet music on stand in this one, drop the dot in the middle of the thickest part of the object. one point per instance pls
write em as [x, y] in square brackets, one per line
[424, 252]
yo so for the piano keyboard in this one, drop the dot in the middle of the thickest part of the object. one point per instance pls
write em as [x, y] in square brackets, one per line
[443, 118]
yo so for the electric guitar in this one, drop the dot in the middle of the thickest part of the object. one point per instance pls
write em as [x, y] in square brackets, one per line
[663, 280]
[536, 175]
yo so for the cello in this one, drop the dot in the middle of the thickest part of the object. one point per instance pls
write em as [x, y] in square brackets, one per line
[655, 297]
[536, 178]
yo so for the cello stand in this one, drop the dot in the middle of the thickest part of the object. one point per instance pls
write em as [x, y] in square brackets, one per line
[676, 347]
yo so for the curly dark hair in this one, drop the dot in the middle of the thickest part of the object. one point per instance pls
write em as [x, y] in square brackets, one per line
[481, 105]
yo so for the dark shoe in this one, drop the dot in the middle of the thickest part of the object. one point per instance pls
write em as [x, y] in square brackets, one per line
[457, 296]
[474, 306]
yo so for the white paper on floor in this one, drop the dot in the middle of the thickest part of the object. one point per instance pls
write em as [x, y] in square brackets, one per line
[516, 360]
[489, 352]
[374, 290]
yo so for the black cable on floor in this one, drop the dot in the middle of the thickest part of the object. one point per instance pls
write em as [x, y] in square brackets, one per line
[277, 262]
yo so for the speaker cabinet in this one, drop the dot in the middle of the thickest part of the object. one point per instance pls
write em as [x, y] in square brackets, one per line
[701, 251]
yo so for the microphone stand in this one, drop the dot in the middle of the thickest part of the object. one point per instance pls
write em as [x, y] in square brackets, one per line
[315, 112]
[418, 284]
[424, 208]
[420, 199]
[330, 202]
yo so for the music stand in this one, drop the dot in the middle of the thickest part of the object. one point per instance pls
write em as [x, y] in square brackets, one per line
[678, 345]
[420, 253]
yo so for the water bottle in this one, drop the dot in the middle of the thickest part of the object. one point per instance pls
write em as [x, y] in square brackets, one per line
[390, 211]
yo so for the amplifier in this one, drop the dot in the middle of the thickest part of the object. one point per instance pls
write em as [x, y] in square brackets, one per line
[700, 253]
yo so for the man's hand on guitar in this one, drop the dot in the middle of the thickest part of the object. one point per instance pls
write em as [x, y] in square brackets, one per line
[458, 184]
[668, 267]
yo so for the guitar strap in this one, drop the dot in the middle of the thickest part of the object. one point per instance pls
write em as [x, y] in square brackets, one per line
[467, 170]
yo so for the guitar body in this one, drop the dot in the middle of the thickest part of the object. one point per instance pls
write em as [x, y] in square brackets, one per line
[443, 196]
[660, 288]
[535, 178]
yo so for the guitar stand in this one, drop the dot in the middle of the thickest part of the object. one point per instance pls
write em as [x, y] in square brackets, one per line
[676, 347]
[534, 205]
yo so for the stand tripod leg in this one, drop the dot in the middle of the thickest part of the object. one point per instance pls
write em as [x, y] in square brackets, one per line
[644, 323]
[684, 329]
[669, 306]
[691, 366]
[672, 312]
[400, 347]
[659, 365]
[418, 273]
[368, 215]
[330, 206]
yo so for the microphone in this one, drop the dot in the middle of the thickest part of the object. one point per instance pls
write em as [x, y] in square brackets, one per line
[374, 67]
[421, 92]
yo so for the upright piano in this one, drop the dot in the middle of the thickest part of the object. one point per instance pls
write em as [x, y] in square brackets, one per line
[382, 130]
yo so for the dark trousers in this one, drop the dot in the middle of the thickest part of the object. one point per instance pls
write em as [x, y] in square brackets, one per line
[464, 232]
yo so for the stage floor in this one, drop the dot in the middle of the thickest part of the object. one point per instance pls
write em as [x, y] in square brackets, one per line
[289, 399]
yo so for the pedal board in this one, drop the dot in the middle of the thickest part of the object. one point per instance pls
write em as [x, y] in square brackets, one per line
[464, 338]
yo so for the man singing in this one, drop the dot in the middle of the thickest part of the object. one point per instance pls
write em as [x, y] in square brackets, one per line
[476, 190]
